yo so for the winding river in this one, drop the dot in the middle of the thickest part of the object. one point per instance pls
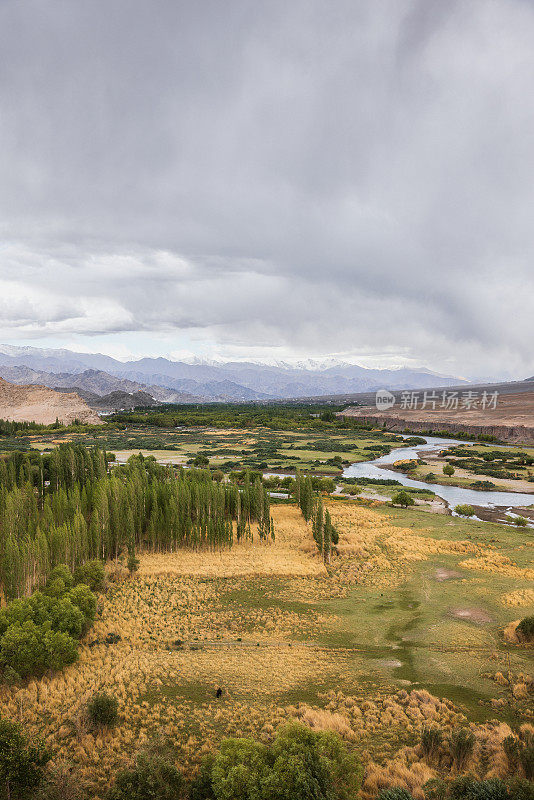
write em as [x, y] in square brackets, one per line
[453, 495]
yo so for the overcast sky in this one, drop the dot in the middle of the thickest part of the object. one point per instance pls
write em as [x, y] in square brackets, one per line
[274, 179]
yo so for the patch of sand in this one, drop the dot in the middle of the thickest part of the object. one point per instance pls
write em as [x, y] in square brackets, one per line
[476, 615]
[441, 574]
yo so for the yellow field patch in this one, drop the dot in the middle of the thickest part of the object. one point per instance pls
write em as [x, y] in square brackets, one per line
[498, 564]
[292, 553]
[520, 597]
[376, 550]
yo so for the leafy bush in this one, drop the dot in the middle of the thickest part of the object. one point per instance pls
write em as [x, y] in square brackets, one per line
[31, 649]
[132, 563]
[22, 649]
[465, 510]
[520, 789]
[39, 633]
[467, 788]
[526, 759]
[61, 649]
[92, 574]
[62, 573]
[82, 597]
[151, 778]
[511, 746]
[431, 739]
[402, 499]
[103, 710]
[66, 617]
[21, 766]
[395, 793]
[300, 763]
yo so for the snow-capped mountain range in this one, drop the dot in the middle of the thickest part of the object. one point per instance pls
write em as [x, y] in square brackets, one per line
[207, 380]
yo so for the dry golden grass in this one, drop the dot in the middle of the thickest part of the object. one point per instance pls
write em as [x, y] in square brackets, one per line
[164, 691]
[292, 553]
[396, 772]
[169, 691]
[499, 565]
[374, 550]
[519, 597]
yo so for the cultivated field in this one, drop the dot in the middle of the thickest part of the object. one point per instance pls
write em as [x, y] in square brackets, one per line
[406, 628]
[255, 448]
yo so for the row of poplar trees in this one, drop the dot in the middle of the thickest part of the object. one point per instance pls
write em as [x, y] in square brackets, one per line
[68, 507]
[311, 505]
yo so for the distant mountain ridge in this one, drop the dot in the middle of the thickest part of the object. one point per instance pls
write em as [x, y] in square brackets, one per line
[200, 381]
[93, 385]
[113, 401]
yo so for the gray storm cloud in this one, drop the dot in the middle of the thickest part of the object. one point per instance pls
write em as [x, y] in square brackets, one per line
[317, 177]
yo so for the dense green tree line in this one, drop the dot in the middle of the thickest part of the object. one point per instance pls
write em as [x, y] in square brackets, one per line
[276, 416]
[67, 508]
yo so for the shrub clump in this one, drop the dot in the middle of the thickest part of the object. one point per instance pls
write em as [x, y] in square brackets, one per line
[461, 746]
[395, 793]
[431, 741]
[525, 629]
[92, 574]
[150, 778]
[103, 710]
[21, 765]
[402, 499]
[465, 510]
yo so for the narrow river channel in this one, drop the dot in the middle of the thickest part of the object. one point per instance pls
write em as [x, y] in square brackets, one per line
[453, 495]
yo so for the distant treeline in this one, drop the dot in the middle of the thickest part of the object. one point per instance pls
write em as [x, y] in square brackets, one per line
[66, 508]
[9, 428]
[275, 416]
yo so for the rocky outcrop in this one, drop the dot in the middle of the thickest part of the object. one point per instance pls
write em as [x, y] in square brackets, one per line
[40, 404]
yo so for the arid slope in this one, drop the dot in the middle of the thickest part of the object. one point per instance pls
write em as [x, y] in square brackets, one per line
[42, 405]
[512, 420]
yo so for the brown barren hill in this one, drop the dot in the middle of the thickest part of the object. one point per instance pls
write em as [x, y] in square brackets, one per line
[512, 420]
[42, 405]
